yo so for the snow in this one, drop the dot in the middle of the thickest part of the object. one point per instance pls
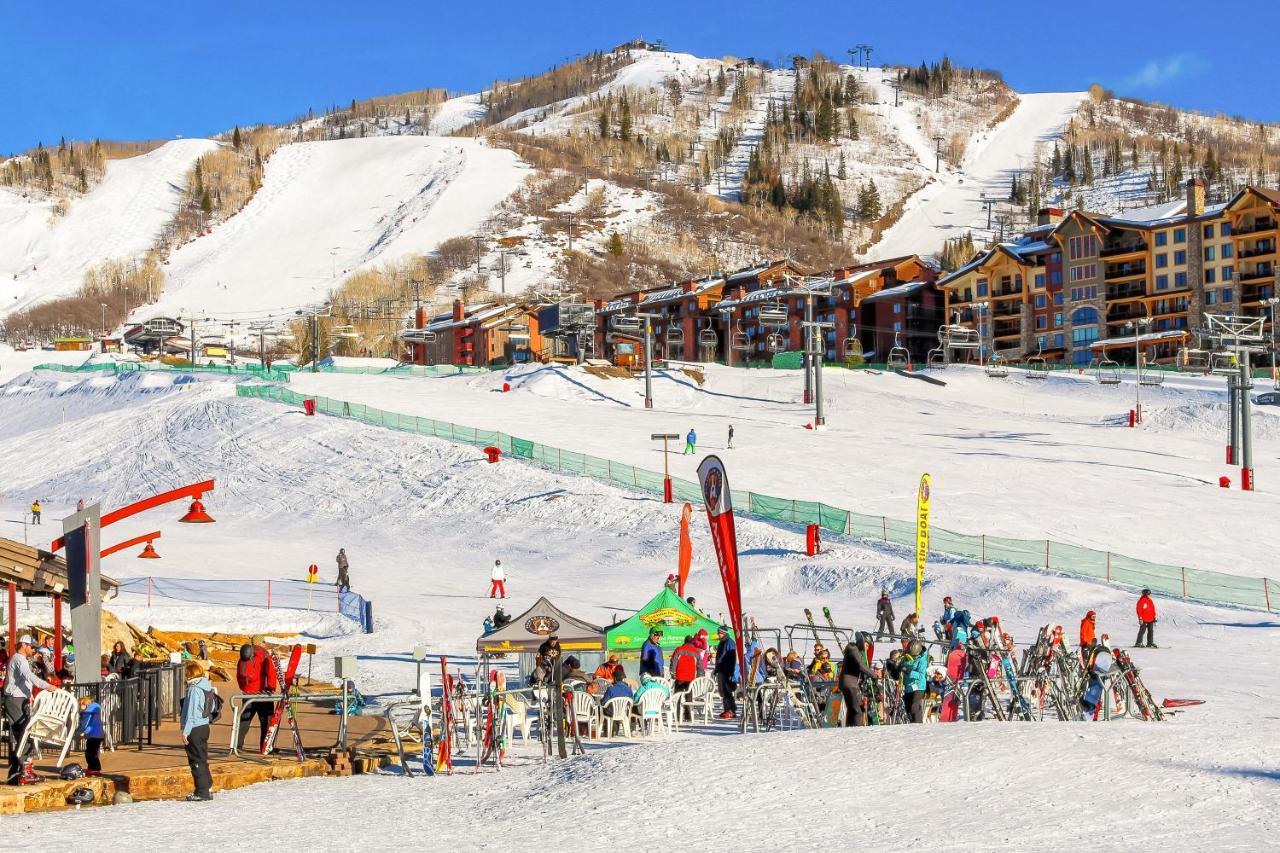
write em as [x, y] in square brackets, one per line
[456, 113]
[43, 256]
[329, 208]
[423, 520]
[952, 204]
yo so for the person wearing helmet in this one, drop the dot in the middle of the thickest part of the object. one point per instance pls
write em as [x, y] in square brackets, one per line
[498, 580]
[1088, 633]
[671, 583]
[853, 669]
[1146, 621]
[915, 679]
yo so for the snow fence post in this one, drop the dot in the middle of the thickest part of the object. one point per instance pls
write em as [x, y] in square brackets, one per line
[1046, 553]
[1266, 593]
[984, 549]
[268, 594]
[148, 592]
[1108, 567]
[884, 528]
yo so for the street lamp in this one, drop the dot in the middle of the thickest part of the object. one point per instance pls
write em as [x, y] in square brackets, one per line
[1136, 324]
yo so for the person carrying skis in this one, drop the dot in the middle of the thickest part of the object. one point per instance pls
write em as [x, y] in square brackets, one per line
[915, 666]
[1146, 621]
[19, 684]
[651, 654]
[726, 667]
[730, 436]
[344, 579]
[853, 669]
[255, 674]
[1098, 666]
[690, 443]
[498, 580]
[884, 615]
[1088, 633]
[955, 671]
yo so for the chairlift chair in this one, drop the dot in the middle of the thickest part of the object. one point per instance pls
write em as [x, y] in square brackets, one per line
[773, 315]
[937, 358]
[852, 347]
[1150, 375]
[997, 366]
[1107, 371]
[625, 322]
[1224, 363]
[899, 356]
[708, 338]
[740, 341]
[675, 339]
[1037, 367]
[774, 343]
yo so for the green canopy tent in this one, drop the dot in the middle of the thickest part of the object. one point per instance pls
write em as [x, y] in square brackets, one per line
[667, 612]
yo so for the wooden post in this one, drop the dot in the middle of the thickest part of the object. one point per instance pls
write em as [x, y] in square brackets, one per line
[884, 528]
[148, 592]
[57, 632]
[1046, 553]
[268, 595]
[13, 617]
[1184, 581]
[1108, 567]
[1266, 592]
[984, 549]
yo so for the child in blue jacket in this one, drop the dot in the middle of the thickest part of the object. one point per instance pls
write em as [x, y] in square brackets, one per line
[91, 728]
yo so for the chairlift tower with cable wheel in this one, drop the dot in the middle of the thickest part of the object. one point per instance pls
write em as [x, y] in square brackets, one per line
[1239, 338]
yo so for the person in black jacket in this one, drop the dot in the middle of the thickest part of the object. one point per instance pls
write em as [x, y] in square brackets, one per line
[884, 615]
[119, 662]
[853, 669]
[725, 670]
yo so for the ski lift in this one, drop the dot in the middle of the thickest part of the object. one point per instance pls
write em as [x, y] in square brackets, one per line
[1192, 359]
[625, 322]
[773, 315]
[1149, 374]
[899, 356]
[997, 366]
[852, 347]
[707, 338]
[937, 358]
[675, 338]
[1037, 367]
[1107, 371]
[774, 343]
[1224, 363]
[739, 340]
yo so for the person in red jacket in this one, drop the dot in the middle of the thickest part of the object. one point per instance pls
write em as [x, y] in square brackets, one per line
[255, 674]
[1146, 621]
[684, 666]
[1088, 633]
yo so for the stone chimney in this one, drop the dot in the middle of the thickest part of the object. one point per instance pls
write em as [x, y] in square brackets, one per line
[459, 312]
[1195, 197]
[1049, 216]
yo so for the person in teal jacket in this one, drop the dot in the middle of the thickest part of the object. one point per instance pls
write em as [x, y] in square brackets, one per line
[915, 680]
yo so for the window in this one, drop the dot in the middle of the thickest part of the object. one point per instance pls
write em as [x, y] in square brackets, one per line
[1055, 258]
[1055, 277]
[1162, 238]
[1179, 280]
[897, 307]
[982, 287]
[1057, 319]
[1162, 282]
[1226, 294]
[1080, 272]
[1210, 276]
[1058, 340]
[1079, 294]
[1224, 230]
[1179, 257]
[1228, 251]
[1040, 300]
[1057, 298]
[1162, 260]
[1039, 280]
[897, 325]
[1082, 247]
[1210, 254]
[1211, 298]
[1228, 272]
[1042, 322]
[1208, 232]
[1179, 235]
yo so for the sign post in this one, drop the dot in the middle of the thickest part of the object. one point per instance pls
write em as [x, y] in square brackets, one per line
[922, 536]
[665, 437]
[82, 533]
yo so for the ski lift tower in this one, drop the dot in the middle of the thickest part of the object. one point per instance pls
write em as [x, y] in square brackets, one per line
[810, 287]
[1242, 336]
[648, 356]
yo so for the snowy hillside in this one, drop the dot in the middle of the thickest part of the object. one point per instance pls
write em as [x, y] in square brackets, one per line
[43, 256]
[329, 208]
[422, 519]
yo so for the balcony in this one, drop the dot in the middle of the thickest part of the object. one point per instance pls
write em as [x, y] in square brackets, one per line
[1011, 290]
[1115, 271]
[1127, 290]
[1264, 272]
[1263, 248]
[1256, 293]
[1257, 226]
[1003, 330]
[1125, 313]
[1007, 309]
[1123, 249]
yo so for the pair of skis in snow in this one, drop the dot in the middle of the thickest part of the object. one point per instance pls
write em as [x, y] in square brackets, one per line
[286, 676]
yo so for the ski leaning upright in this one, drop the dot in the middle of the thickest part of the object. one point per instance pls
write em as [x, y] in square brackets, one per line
[285, 679]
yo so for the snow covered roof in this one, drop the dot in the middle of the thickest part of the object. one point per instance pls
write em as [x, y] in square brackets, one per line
[896, 291]
[662, 295]
[1149, 337]
[479, 315]
[967, 268]
[1032, 247]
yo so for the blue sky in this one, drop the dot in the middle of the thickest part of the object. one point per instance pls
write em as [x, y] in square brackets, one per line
[136, 70]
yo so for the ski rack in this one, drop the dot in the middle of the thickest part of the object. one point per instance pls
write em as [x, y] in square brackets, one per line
[238, 702]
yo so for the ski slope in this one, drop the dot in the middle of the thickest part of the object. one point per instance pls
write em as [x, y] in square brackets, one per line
[1016, 457]
[952, 204]
[43, 256]
[329, 208]
[423, 519]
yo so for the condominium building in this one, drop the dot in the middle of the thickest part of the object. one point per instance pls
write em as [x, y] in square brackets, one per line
[1080, 285]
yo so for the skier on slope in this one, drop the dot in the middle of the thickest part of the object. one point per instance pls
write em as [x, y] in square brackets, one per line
[498, 580]
[730, 436]
[853, 669]
[1088, 633]
[344, 580]
[690, 443]
[1146, 621]
[884, 615]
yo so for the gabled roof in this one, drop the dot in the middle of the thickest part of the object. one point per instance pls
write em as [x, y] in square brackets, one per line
[1270, 196]
[527, 631]
[895, 292]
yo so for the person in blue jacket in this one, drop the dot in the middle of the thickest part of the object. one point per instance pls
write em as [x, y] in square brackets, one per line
[91, 728]
[915, 680]
[725, 669]
[690, 443]
[651, 654]
[195, 730]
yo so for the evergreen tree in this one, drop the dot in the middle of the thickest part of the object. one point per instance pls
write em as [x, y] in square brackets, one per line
[841, 171]
[722, 85]
[615, 244]
[1057, 161]
[1087, 156]
[824, 120]
[853, 125]
[869, 203]
[206, 204]
[624, 118]
[235, 138]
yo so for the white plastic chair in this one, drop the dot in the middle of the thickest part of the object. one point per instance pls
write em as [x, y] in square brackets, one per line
[53, 721]
[516, 716]
[650, 710]
[617, 712]
[587, 710]
[696, 700]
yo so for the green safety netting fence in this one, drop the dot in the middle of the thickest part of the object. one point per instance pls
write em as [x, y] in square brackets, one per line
[1038, 554]
[253, 371]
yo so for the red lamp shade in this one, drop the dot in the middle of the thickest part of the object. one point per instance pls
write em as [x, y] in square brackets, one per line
[149, 553]
[196, 515]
